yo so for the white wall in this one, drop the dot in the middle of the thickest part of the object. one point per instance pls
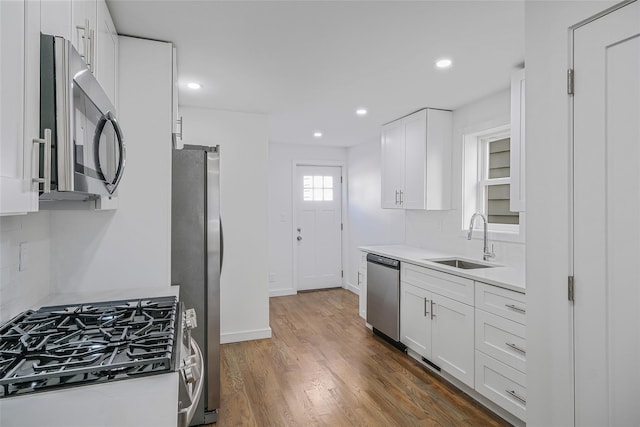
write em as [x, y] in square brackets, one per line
[129, 247]
[244, 293]
[442, 230]
[21, 290]
[281, 163]
[549, 314]
[369, 224]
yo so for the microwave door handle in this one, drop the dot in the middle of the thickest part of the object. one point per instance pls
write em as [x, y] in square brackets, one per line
[122, 157]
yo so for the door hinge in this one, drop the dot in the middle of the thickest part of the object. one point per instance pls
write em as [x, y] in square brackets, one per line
[341, 226]
[570, 289]
[340, 179]
[570, 81]
[341, 273]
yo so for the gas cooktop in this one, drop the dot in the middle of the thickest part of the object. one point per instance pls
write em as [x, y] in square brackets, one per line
[62, 346]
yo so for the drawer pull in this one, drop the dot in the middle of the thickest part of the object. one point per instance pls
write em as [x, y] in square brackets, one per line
[516, 348]
[516, 308]
[515, 395]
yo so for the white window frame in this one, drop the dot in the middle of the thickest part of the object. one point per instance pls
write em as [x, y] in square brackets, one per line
[475, 182]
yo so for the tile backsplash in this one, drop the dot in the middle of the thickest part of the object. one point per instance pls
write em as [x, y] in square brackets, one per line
[24, 262]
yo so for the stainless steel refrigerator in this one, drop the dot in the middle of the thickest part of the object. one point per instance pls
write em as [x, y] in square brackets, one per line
[196, 259]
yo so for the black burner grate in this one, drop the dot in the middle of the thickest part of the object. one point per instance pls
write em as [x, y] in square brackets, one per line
[83, 343]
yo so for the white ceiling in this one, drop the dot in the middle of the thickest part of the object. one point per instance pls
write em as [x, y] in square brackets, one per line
[310, 64]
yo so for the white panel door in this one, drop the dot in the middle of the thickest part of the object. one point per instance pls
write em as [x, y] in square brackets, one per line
[107, 53]
[415, 320]
[318, 232]
[453, 338]
[19, 105]
[415, 159]
[606, 219]
[392, 164]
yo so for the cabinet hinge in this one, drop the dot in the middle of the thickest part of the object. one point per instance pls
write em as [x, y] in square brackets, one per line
[570, 81]
[570, 288]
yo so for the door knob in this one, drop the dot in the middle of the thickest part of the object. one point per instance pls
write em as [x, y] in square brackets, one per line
[299, 238]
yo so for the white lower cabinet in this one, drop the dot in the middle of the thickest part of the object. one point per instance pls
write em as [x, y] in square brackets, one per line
[438, 328]
[473, 331]
[452, 338]
[501, 384]
[362, 285]
[501, 348]
[415, 319]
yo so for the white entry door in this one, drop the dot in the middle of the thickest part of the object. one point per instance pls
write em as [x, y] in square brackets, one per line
[607, 219]
[318, 228]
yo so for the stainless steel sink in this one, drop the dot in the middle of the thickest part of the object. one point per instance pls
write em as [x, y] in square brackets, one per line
[460, 263]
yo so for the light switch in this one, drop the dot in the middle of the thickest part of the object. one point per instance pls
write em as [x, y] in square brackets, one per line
[24, 256]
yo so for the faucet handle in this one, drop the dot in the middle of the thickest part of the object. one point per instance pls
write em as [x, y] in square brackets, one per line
[490, 255]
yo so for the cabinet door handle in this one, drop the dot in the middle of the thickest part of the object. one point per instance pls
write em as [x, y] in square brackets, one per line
[396, 197]
[92, 51]
[401, 197]
[179, 134]
[426, 312]
[516, 348]
[359, 278]
[46, 180]
[514, 394]
[433, 313]
[516, 308]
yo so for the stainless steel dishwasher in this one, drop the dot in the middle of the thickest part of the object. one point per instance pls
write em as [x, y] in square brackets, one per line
[383, 296]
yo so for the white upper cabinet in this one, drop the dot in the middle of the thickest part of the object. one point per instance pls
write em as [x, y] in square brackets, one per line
[83, 30]
[19, 105]
[106, 56]
[88, 24]
[392, 163]
[517, 142]
[176, 125]
[416, 161]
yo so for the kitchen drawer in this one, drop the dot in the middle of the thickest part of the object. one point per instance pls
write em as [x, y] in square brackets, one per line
[502, 339]
[448, 285]
[503, 385]
[500, 301]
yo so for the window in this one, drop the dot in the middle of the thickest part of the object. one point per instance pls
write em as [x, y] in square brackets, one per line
[317, 188]
[487, 180]
[495, 181]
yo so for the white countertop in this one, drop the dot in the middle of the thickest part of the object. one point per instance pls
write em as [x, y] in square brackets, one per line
[502, 276]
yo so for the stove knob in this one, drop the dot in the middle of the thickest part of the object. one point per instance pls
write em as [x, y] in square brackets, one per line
[190, 320]
[189, 375]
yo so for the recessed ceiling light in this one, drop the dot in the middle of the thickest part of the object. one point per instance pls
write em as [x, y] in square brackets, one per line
[444, 63]
[317, 134]
[361, 111]
[194, 85]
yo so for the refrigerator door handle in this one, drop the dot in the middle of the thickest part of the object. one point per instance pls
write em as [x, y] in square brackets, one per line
[221, 245]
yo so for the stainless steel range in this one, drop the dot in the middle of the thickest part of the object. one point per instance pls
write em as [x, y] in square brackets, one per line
[63, 346]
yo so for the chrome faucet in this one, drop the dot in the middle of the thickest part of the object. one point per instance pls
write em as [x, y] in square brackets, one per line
[486, 255]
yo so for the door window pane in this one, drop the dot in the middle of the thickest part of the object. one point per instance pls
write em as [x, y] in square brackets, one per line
[317, 188]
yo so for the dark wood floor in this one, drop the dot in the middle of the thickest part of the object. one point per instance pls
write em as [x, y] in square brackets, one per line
[323, 367]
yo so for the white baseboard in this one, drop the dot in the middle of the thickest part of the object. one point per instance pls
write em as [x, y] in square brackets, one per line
[245, 336]
[350, 287]
[282, 292]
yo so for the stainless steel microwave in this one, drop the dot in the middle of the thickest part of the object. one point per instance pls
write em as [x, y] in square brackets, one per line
[83, 153]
